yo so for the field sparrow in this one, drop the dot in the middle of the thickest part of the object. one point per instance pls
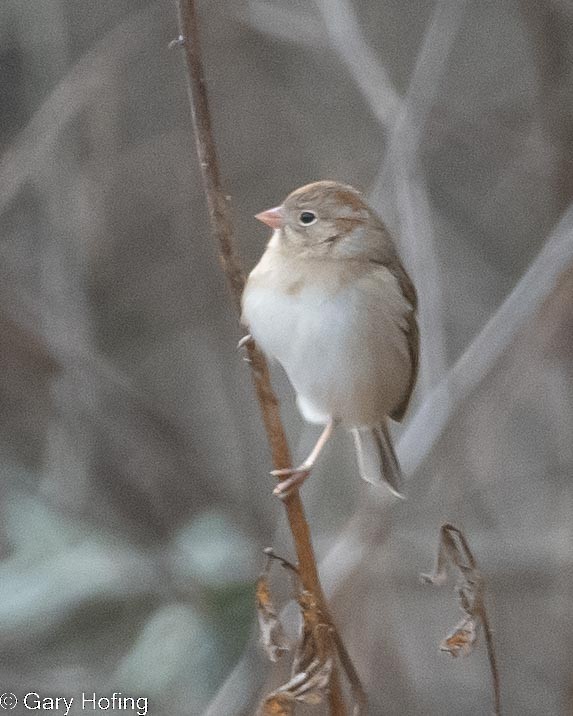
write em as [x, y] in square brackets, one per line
[331, 301]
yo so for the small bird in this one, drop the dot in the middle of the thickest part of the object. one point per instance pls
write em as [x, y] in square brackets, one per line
[331, 302]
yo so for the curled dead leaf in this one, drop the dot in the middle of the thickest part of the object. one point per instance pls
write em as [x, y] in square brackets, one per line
[309, 687]
[272, 635]
[277, 704]
[462, 639]
[312, 665]
[314, 641]
[454, 550]
[313, 688]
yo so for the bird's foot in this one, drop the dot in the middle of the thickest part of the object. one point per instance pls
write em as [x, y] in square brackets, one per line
[291, 477]
[242, 345]
[244, 340]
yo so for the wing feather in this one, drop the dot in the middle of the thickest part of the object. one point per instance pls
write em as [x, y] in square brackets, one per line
[392, 262]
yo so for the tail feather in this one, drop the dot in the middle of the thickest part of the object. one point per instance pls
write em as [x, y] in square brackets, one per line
[377, 460]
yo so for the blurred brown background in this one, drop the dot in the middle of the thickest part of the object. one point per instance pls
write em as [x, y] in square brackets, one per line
[135, 496]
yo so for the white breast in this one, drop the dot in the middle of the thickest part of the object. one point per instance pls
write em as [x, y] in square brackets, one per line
[342, 343]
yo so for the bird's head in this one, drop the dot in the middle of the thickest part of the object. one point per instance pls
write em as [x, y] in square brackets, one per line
[322, 219]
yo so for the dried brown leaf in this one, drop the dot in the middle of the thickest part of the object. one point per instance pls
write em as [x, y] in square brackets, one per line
[314, 687]
[309, 687]
[462, 639]
[277, 704]
[314, 639]
[272, 635]
[454, 550]
[313, 662]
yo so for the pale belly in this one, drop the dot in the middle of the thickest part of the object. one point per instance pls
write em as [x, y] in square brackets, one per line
[345, 352]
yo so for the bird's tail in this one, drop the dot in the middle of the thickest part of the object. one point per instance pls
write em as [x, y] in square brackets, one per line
[377, 460]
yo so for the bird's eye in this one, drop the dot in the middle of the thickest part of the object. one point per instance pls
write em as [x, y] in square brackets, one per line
[307, 217]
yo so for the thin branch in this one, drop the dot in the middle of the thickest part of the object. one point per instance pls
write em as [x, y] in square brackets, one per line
[402, 170]
[238, 688]
[220, 217]
[362, 62]
[271, 554]
[492, 662]
[352, 675]
[433, 416]
[344, 36]
[285, 23]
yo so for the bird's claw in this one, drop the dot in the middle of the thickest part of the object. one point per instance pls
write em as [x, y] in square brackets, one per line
[291, 477]
[242, 344]
[244, 340]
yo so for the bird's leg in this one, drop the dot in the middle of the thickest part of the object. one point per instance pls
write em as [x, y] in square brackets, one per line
[297, 475]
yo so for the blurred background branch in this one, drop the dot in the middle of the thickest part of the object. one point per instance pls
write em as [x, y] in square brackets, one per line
[131, 523]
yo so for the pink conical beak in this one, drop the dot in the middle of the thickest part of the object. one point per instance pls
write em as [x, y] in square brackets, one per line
[272, 217]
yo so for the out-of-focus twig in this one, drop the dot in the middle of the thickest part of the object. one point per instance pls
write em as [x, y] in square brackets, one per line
[403, 172]
[220, 217]
[80, 86]
[534, 287]
[454, 550]
[364, 66]
[406, 120]
[434, 415]
[361, 700]
[344, 36]
[286, 23]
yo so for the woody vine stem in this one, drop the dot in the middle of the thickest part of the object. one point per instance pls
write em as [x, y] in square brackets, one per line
[221, 226]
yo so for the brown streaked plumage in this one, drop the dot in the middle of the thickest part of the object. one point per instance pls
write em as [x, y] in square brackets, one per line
[331, 301]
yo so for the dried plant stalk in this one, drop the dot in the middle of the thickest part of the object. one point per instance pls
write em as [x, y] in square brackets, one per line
[314, 658]
[454, 550]
[220, 218]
